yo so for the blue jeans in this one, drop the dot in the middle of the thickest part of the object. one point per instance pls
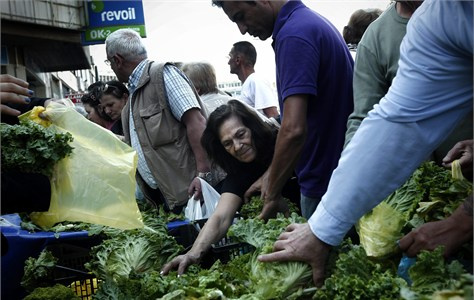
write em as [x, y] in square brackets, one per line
[308, 205]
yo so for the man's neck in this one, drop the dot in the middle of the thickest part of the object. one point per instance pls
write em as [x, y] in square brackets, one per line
[245, 73]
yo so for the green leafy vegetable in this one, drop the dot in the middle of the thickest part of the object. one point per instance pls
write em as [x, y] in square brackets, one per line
[430, 194]
[271, 280]
[356, 276]
[259, 234]
[32, 148]
[56, 292]
[39, 270]
[431, 273]
[254, 207]
[132, 251]
[278, 280]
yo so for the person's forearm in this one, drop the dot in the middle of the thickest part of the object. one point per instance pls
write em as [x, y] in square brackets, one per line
[271, 112]
[287, 151]
[202, 162]
[465, 216]
[214, 230]
[195, 124]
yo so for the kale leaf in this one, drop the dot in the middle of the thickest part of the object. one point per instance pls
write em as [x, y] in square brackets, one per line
[31, 148]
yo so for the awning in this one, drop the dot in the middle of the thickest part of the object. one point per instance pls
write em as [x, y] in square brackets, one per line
[44, 48]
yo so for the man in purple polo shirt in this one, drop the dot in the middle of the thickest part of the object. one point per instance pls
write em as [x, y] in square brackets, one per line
[314, 81]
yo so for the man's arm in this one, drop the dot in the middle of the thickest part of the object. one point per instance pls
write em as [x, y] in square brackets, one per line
[264, 98]
[271, 112]
[195, 124]
[289, 143]
[185, 107]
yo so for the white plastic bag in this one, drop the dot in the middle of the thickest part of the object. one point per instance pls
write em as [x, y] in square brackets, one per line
[194, 211]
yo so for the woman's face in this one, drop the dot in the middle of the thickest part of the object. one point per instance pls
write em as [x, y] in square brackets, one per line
[93, 115]
[112, 105]
[237, 140]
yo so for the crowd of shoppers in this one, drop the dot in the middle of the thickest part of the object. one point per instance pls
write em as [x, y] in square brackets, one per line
[409, 91]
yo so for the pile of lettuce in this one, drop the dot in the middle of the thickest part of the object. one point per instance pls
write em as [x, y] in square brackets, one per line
[430, 194]
[127, 265]
[254, 207]
[277, 280]
[354, 275]
[31, 148]
[243, 277]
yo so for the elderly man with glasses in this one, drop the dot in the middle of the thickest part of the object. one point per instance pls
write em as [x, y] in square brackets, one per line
[163, 121]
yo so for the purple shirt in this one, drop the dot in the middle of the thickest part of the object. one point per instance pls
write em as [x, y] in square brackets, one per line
[312, 58]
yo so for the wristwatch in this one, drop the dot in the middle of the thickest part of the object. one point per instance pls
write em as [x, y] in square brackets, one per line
[207, 176]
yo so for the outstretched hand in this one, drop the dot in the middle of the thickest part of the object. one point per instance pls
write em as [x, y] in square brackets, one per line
[13, 91]
[181, 262]
[298, 243]
[451, 233]
[429, 236]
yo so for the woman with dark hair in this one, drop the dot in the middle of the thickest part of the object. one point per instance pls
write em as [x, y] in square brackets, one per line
[95, 113]
[262, 137]
[114, 96]
[242, 144]
[104, 103]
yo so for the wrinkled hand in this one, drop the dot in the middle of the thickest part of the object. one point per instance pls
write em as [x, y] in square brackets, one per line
[463, 152]
[195, 189]
[271, 208]
[428, 237]
[13, 91]
[298, 243]
[451, 232]
[181, 262]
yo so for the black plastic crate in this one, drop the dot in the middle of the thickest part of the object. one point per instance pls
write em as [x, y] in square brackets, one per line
[70, 270]
[184, 235]
[224, 250]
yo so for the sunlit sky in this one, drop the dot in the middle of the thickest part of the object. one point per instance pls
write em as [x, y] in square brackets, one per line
[194, 30]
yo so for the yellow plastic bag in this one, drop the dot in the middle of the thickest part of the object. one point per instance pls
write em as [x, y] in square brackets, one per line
[96, 183]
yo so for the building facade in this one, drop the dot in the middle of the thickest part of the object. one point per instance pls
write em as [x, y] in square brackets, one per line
[41, 43]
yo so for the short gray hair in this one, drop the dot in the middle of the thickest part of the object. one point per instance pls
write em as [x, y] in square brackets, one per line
[126, 42]
[202, 75]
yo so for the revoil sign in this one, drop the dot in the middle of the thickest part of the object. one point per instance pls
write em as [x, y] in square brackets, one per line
[107, 16]
[117, 15]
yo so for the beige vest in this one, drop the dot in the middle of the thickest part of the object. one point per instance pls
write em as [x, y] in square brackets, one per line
[163, 138]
